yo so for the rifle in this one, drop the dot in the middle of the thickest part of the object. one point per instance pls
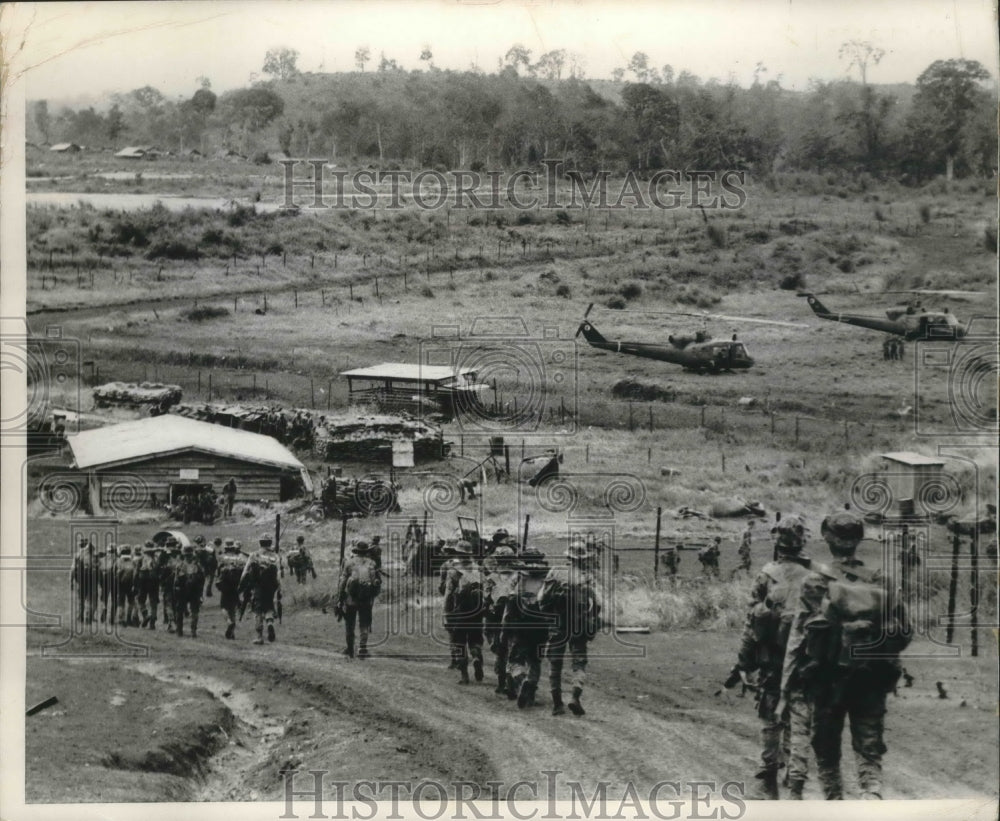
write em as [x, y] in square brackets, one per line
[277, 607]
[736, 675]
[245, 604]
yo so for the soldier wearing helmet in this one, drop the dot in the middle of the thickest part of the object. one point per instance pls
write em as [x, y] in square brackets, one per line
[231, 564]
[773, 599]
[261, 578]
[845, 611]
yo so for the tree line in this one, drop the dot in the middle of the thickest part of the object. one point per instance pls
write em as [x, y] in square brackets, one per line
[645, 119]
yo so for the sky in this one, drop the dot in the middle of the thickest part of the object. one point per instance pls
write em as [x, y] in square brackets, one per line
[81, 48]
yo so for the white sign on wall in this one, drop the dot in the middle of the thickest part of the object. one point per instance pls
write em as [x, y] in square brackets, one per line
[402, 453]
[189, 473]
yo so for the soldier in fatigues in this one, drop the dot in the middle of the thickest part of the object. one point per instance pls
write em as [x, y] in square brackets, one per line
[526, 628]
[672, 561]
[773, 599]
[463, 612]
[448, 561]
[299, 560]
[125, 574]
[108, 582]
[568, 593]
[709, 558]
[500, 583]
[261, 576]
[231, 564]
[147, 583]
[165, 574]
[208, 558]
[83, 578]
[744, 549]
[189, 579]
[843, 654]
[360, 583]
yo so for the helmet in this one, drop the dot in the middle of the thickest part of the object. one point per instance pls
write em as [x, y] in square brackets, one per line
[125, 550]
[463, 548]
[790, 534]
[265, 540]
[360, 547]
[199, 540]
[842, 531]
[217, 541]
[188, 550]
[500, 534]
[300, 539]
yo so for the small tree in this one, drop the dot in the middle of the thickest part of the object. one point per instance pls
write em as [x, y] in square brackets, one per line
[362, 54]
[279, 63]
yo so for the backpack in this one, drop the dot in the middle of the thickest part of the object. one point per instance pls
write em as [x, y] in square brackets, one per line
[230, 570]
[363, 583]
[860, 624]
[467, 594]
[772, 618]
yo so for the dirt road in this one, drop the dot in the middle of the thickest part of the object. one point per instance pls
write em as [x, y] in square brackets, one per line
[652, 716]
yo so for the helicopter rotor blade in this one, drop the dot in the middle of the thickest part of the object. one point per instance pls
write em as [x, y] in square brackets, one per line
[587, 312]
[704, 315]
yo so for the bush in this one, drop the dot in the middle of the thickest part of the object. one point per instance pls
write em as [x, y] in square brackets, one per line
[793, 282]
[990, 238]
[205, 312]
[631, 290]
[616, 303]
[717, 234]
[563, 291]
[174, 249]
[427, 292]
[925, 213]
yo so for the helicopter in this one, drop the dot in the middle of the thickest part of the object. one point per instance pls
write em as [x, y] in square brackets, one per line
[696, 352]
[911, 321]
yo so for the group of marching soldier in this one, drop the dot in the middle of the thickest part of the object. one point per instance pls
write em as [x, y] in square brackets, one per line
[526, 611]
[130, 583]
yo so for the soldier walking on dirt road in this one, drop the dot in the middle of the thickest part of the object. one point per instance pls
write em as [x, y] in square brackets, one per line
[262, 579]
[526, 628]
[165, 572]
[189, 579]
[568, 593]
[360, 583]
[231, 564]
[83, 580]
[499, 585]
[464, 609]
[147, 583]
[843, 656]
[125, 572]
[773, 599]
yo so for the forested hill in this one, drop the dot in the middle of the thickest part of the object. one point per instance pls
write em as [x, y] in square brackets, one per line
[465, 119]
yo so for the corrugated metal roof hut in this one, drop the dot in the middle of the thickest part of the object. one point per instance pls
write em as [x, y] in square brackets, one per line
[167, 455]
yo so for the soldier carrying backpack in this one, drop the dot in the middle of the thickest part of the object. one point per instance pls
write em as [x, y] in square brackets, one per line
[231, 564]
[844, 654]
[464, 609]
[261, 578]
[189, 579]
[360, 584]
[774, 598]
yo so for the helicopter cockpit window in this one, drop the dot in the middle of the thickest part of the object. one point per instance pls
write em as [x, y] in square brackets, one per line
[739, 350]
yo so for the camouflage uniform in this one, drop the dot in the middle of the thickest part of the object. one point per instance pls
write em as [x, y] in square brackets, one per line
[835, 686]
[709, 558]
[189, 579]
[83, 578]
[231, 564]
[773, 598]
[208, 558]
[672, 561]
[568, 594]
[261, 576]
[744, 549]
[299, 561]
[360, 583]
[498, 586]
[125, 573]
[525, 631]
[165, 574]
[108, 583]
[147, 583]
[464, 609]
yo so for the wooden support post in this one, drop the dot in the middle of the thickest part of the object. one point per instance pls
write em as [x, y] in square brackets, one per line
[209, 386]
[650, 418]
[702, 416]
[723, 462]
[506, 460]
[974, 593]
[956, 549]
[329, 394]
[295, 294]
[343, 536]
[656, 544]
[350, 285]
[796, 430]
[277, 532]
[631, 421]
[588, 454]
[199, 381]
[312, 393]
[524, 541]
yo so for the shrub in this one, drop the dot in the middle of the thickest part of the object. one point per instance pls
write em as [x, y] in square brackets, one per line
[563, 291]
[717, 234]
[427, 292]
[616, 303]
[793, 282]
[990, 238]
[925, 213]
[631, 290]
[204, 312]
[173, 249]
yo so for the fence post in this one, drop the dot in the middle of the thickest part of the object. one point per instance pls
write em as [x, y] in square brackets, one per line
[702, 416]
[656, 545]
[974, 592]
[630, 422]
[209, 386]
[956, 548]
[796, 430]
[650, 418]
